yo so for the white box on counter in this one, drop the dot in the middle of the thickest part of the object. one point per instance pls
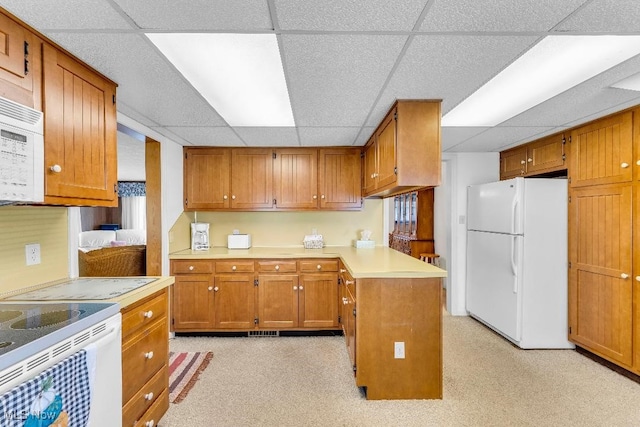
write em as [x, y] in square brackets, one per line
[239, 241]
[364, 243]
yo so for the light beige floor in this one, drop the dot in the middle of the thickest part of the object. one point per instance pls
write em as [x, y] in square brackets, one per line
[307, 381]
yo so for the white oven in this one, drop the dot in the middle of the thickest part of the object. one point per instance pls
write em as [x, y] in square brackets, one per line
[91, 347]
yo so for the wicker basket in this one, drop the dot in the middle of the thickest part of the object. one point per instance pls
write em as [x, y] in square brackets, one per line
[117, 261]
[313, 241]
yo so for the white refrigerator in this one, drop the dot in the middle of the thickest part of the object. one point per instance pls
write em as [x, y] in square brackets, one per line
[517, 260]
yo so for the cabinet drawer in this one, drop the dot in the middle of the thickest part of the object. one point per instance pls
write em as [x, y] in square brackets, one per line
[135, 408]
[276, 266]
[155, 413]
[143, 356]
[315, 265]
[189, 266]
[244, 266]
[141, 315]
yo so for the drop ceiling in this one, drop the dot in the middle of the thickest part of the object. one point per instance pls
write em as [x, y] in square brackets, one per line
[345, 62]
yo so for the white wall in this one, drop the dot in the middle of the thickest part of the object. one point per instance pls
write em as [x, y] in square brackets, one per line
[459, 171]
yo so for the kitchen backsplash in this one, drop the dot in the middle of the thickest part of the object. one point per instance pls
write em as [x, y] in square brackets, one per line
[22, 225]
[284, 228]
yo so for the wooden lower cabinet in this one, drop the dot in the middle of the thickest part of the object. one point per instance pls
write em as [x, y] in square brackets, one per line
[348, 312]
[278, 301]
[145, 359]
[234, 301]
[318, 300]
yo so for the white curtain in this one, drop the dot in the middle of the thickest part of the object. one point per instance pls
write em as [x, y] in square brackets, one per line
[134, 212]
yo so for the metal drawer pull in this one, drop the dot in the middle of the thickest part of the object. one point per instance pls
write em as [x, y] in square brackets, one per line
[148, 314]
[148, 396]
[225, 197]
[319, 267]
[233, 267]
[637, 278]
[191, 267]
[277, 267]
[148, 355]
[349, 282]
[215, 289]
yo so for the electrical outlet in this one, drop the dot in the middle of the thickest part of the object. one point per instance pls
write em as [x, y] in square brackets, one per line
[32, 253]
[398, 349]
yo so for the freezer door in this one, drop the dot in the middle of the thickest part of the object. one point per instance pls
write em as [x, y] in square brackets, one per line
[496, 206]
[494, 269]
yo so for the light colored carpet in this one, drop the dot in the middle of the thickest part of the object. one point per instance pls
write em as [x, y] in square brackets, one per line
[307, 381]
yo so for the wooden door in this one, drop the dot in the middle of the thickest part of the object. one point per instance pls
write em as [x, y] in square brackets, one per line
[278, 301]
[546, 155]
[601, 152]
[339, 178]
[251, 178]
[318, 299]
[20, 64]
[513, 163]
[600, 282]
[234, 301]
[79, 133]
[193, 302]
[369, 167]
[386, 137]
[206, 178]
[295, 172]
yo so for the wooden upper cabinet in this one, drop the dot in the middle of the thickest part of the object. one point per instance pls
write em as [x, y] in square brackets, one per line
[20, 64]
[543, 156]
[602, 152]
[79, 133]
[295, 178]
[513, 162]
[407, 150]
[252, 178]
[339, 177]
[207, 177]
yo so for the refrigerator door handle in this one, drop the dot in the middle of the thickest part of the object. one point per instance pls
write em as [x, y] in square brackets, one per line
[514, 268]
[514, 209]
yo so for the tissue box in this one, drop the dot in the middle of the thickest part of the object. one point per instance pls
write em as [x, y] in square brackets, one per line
[239, 241]
[364, 243]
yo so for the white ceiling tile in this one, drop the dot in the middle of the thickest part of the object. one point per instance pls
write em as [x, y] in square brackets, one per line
[208, 136]
[67, 14]
[463, 64]
[453, 136]
[269, 136]
[219, 15]
[333, 79]
[131, 158]
[364, 135]
[497, 15]
[340, 15]
[494, 139]
[605, 16]
[125, 109]
[336, 136]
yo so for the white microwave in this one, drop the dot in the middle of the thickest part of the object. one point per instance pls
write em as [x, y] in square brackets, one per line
[21, 154]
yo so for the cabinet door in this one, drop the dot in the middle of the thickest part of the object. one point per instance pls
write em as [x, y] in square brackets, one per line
[339, 179]
[251, 178]
[513, 162]
[546, 155]
[20, 64]
[295, 172]
[386, 138]
[601, 153]
[192, 302]
[600, 282]
[278, 301]
[318, 299]
[350, 330]
[79, 133]
[369, 165]
[206, 178]
[234, 301]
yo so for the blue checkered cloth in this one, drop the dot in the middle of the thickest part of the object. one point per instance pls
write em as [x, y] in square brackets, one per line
[70, 380]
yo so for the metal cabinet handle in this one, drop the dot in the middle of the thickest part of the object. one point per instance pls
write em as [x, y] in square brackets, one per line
[522, 162]
[148, 396]
[225, 197]
[233, 196]
[148, 355]
[342, 270]
[322, 196]
[624, 165]
[56, 168]
[295, 288]
[624, 275]
[319, 267]
[638, 162]
[529, 160]
[349, 282]
[148, 314]
[233, 267]
[216, 289]
[300, 287]
[210, 288]
[191, 267]
[315, 196]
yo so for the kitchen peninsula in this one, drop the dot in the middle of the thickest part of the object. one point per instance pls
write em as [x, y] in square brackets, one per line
[387, 303]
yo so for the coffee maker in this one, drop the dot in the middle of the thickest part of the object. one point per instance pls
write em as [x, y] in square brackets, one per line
[199, 236]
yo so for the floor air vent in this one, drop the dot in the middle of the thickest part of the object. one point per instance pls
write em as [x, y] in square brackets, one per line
[263, 333]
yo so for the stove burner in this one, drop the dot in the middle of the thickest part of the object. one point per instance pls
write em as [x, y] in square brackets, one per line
[6, 315]
[46, 319]
[5, 344]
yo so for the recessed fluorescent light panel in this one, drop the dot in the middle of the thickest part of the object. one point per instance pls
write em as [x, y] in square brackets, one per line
[552, 66]
[240, 75]
[630, 83]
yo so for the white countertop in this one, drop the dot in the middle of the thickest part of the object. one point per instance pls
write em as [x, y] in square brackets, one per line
[376, 262]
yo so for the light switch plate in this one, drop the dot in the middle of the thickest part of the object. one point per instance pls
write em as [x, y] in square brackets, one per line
[398, 350]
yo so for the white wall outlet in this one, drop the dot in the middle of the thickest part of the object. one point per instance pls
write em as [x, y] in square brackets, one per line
[32, 253]
[398, 349]
[314, 231]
